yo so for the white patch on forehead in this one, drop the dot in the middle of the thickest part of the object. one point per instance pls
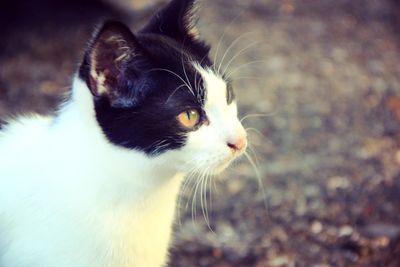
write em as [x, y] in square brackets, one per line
[215, 88]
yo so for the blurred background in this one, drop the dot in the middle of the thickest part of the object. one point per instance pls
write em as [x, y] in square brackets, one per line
[322, 82]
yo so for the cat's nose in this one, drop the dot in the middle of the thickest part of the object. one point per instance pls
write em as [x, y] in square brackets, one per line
[238, 144]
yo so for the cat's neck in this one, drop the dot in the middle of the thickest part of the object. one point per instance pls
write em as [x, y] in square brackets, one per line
[77, 131]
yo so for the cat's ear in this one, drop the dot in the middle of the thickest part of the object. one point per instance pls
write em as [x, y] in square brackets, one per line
[109, 61]
[176, 20]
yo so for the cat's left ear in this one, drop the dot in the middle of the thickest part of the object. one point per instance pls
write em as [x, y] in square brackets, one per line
[177, 20]
[113, 58]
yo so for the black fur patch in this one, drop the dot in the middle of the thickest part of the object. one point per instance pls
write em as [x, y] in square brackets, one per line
[177, 21]
[148, 90]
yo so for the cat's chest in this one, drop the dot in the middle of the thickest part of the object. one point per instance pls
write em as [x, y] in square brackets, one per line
[139, 234]
[138, 242]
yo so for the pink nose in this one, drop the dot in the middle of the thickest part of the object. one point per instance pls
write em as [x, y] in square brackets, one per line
[239, 144]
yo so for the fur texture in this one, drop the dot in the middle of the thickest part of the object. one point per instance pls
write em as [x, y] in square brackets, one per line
[96, 185]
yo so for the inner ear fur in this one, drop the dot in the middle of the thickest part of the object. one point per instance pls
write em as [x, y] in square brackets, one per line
[111, 49]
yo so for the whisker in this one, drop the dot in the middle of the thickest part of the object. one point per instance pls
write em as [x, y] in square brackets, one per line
[199, 95]
[206, 214]
[179, 87]
[245, 65]
[203, 194]
[210, 179]
[230, 47]
[252, 150]
[249, 78]
[186, 76]
[194, 201]
[190, 177]
[257, 115]
[196, 174]
[260, 183]
[238, 54]
[251, 129]
[175, 74]
[188, 180]
[223, 34]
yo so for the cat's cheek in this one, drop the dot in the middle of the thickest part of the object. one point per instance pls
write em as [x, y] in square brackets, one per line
[206, 150]
[223, 165]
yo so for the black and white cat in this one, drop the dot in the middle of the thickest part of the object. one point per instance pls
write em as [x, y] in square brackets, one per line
[96, 185]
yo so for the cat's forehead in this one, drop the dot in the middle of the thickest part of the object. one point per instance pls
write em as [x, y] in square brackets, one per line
[214, 84]
[195, 84]
[177, 72]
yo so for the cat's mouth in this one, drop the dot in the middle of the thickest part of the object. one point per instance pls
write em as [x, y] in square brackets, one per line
[223, 164]
[222, 167]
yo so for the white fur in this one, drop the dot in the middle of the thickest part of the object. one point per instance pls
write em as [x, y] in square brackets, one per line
[69, 198]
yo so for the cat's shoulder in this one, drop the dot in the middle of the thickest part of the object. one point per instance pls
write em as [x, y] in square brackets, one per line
[28, 127]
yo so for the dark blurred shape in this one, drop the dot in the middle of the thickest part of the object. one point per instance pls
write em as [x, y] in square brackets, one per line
[393, 255]
[396, 15]
[43, 18]
[41, 43]
[48, 13]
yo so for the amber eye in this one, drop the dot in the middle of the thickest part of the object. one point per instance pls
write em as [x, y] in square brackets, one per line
[189, 118]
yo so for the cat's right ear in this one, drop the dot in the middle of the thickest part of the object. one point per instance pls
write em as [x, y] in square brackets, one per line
[106, 61]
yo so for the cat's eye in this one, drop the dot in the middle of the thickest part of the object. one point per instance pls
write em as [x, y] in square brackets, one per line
[189, 118]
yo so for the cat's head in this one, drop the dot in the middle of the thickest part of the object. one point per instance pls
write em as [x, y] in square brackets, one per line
[156, 91]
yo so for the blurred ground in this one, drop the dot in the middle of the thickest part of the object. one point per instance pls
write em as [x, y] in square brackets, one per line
[327, 76]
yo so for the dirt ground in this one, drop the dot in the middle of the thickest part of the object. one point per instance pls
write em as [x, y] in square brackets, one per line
[324, 79]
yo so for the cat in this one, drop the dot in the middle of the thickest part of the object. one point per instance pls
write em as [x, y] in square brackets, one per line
[96, 184]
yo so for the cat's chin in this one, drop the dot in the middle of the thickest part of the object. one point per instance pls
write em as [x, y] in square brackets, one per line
[213, 169]
[223, 165]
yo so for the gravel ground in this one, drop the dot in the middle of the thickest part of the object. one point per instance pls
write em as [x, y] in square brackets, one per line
[324, 79]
